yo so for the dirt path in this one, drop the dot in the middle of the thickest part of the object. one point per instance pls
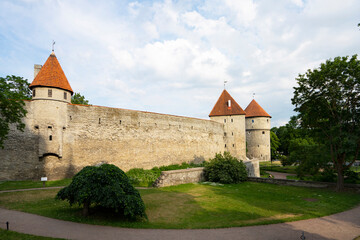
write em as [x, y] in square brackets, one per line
[345, 225]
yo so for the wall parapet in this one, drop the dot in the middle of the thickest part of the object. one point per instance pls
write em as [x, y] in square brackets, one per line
[181, 176]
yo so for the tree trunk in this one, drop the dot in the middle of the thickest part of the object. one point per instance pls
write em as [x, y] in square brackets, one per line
[340, 179]
[86, 208]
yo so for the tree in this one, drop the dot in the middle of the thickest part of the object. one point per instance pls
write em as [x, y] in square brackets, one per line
[77, 98]
[13, 90]
[274, 143]
[328, 102]
[225, 169]
[106, 186]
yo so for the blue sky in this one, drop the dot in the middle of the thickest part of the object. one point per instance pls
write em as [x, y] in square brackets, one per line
[174, 56]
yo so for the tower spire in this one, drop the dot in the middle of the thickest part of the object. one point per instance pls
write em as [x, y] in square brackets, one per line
[53, 43]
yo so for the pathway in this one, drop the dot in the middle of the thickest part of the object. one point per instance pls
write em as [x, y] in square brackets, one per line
[345, 225]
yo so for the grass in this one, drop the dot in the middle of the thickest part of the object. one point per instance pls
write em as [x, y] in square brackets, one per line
[10, 235]
[12, 185]
[199, 205]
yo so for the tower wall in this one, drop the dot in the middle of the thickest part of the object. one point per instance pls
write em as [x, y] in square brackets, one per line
[234, 134]
[258, 138]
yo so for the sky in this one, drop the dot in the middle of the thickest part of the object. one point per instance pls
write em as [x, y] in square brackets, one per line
[173, 57]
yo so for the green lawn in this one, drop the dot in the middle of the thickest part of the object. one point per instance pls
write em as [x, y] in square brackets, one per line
[199, 205]
[10, 235]
[11, 185]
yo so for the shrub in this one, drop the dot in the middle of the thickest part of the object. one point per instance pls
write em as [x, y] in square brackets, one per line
[225, 169]
[105, 186]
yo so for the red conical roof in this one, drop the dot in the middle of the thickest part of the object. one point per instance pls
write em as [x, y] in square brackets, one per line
[222, 107]
[255, 110]
[51, 75]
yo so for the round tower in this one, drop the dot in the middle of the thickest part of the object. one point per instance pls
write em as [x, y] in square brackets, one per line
[228, 112]
[51, 94]
[258, 125]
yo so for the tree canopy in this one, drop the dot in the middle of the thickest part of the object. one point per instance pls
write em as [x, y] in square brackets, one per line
[77, 98]
[106, 186]
[13, 90]
[328, 102]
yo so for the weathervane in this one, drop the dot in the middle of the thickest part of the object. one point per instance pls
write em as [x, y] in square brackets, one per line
[53, 43]
[253, 95]
[225, 83]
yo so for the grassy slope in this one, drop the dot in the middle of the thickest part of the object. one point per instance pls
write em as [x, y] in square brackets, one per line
[10, 185]
[200, 206]
[10, 235]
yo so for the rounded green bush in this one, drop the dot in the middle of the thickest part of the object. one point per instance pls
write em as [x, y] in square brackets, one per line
[106, 186]
[225, 169]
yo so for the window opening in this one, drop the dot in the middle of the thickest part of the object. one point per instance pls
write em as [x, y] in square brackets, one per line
[49, 93]
[263, 132]
[232, 133]
[224, 120]
[50, 127]
[99, 120]
[232, 120]
[34, 93]
[224, 134]
[225, 145]
[120, 122]
[50, 138]
[233, 145]
[65, 95]
[252, 121]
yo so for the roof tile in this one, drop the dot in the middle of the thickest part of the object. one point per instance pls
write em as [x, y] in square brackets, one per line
[51, 75]
[255, 110]
[222, 107]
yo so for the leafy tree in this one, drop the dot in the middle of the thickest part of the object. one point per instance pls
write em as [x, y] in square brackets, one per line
[225, 169]
[13, 90]
[274, 143]
[106, 186]
[328, 102]
[77, 98]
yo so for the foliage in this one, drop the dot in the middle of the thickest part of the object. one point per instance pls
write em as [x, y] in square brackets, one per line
[328, 102]
[77, 98]
[225, 169]
[106, 186]
[13, 90]
[274, 143]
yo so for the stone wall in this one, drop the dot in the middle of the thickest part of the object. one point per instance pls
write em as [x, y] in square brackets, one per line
[181, 176]
[194, 175]
[60, 139]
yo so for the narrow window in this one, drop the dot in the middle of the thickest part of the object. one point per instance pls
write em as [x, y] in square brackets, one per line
[65, 95]
[70, 118]
[267, 120]
[232, 120]
[224, 120]
[50, 127]
[233, 145]
[49, 93]
[258, 145]
[225, 145]
[263, 132]
[99, 120]
[34, 93]
[50, 138]
[232, 133]
[252, 121]
[120, 122]
[224, 134]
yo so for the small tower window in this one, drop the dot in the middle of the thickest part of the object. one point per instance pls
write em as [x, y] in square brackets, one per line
[34, 93]
[225, 145]
[267, 120]
[50, 138]
[224, 134]
[232, 120]
[232, 133]
[252, 121]
[224, 120]
[263, 132]
[65, 95]
[49, 93]
[233, 145]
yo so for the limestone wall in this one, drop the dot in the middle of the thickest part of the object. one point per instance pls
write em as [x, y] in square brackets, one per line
[258, 138]
[181, 176]
[60, 139]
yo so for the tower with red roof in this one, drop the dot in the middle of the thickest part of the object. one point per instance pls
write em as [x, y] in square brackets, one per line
[228, 112]
[257, 132]
[51, 93]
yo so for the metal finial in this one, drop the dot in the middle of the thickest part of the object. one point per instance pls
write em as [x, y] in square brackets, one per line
[225, 83]
[53, 43]
[253, 95]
